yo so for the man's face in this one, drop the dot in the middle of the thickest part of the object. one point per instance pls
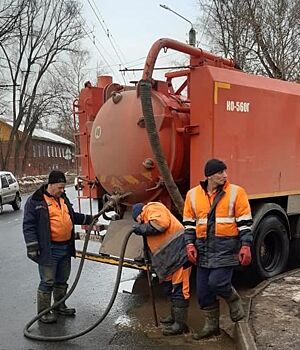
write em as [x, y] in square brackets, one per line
[139, 219]
[56, 190]
[219, 178]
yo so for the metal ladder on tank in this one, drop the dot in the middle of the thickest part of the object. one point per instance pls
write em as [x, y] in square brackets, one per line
[79, 155]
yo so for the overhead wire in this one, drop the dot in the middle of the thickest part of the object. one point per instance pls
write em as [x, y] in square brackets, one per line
[115, 46]
[107, 33]
[97, 48]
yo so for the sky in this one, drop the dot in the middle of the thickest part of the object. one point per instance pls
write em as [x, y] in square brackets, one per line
[133, 26]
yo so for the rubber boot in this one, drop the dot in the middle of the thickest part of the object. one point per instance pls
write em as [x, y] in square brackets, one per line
[234, 302]
[168, 319]
[179, 326]
[43, 302]
[58, 293]
[211, 322]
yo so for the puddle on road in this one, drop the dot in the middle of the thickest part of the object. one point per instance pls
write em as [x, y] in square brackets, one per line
[140, 320]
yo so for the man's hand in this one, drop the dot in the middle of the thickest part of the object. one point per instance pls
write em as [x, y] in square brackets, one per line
[191, 253]
[140, 229]
[245, 255]
[33, 253]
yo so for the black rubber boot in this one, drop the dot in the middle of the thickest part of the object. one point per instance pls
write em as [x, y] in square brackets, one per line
[43, 302]
[234, 302]
[58, 293]
[168, 319]
[211, 322]
[180, 310]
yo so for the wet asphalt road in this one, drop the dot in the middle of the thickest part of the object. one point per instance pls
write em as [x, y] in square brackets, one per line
[129, 324]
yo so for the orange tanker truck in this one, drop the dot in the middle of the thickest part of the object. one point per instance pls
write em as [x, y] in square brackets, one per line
[150, 141]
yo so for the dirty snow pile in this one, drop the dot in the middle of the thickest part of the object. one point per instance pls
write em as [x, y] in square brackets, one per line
[31, 183]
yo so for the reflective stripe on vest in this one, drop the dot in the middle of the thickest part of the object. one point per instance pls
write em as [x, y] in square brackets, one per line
[230, 219]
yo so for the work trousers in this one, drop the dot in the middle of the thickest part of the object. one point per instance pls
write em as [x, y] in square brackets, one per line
[212, 283]
[58, 273]
[177, 285]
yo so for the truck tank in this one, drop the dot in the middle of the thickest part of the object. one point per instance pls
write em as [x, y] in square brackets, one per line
[120, 151]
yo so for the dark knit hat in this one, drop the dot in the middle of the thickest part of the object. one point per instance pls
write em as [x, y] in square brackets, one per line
[213, 166]
[56, 177]
[136, 210]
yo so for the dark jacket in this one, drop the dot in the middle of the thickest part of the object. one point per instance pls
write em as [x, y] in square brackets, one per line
[218, 228]
[170, 257]
[166, 239]
[36, 225]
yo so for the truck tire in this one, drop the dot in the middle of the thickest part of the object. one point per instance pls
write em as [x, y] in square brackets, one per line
[270, 247]
[294, 258]
[1, 206]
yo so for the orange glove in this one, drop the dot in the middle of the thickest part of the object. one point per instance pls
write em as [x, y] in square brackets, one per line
[245, 255]
[191, 253]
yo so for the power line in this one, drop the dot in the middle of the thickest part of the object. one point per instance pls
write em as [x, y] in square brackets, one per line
[107, 33]
[93, 41]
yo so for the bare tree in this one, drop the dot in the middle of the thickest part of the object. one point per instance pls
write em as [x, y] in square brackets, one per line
[10, 12]
[67, 79]
[45, 31]
[263, 37]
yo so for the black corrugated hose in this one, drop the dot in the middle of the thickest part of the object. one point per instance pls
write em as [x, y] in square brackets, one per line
[145, 94]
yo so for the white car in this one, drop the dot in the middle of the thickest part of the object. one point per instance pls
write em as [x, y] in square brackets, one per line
[9, 191]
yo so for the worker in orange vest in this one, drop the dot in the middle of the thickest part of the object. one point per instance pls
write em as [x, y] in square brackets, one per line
[165, 239]
[217, 220]
[48, 228]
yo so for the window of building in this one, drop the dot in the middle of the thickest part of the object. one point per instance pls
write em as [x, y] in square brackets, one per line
[55, 149]
[48, 151]
[33, 151]
[52, 151]
[39, 151]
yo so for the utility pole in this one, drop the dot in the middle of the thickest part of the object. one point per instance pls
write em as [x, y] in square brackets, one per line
[192, 32]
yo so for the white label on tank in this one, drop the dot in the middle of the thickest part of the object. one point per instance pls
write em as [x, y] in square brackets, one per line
[238, 106]
[98, 132]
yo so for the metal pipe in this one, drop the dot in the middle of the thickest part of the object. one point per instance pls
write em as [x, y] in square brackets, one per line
[181, 47]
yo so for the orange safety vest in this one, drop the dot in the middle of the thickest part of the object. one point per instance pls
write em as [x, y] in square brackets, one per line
[164, 221]
[232, 208]
[60, 221]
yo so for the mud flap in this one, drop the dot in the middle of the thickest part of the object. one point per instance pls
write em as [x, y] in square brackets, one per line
[114, 237]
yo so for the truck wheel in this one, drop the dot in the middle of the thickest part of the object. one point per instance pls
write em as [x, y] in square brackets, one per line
[16, 204]
[271, 247]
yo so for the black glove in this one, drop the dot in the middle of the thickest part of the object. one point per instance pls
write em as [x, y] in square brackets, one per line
[144, 229]
[33, 252]
[140, 229]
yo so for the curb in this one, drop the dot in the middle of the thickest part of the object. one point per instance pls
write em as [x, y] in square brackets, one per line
[243, 336]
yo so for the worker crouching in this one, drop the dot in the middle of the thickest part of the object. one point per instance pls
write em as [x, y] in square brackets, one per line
[164, 236]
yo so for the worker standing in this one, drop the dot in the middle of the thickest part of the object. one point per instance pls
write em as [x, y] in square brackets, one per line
[165, 239]
[217, 220]
[48, 228]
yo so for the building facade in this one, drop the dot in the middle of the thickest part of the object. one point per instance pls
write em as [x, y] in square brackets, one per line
[45, 152]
